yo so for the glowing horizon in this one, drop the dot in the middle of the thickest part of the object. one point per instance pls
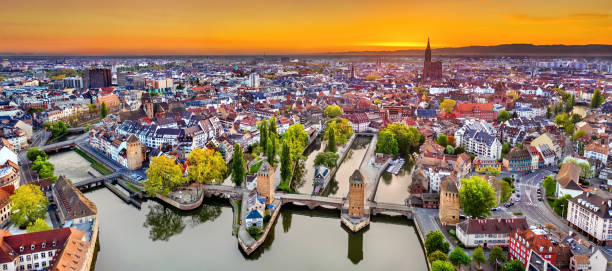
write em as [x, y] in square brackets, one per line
[115, 27]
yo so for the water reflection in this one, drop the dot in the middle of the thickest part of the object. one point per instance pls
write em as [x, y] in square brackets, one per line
[355, 245]
[339, 184]
[303, 178]
[164, 222]
[396, 188]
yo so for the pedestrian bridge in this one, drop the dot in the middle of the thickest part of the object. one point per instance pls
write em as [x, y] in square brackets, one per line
[223, 191]
[67, 144]
[390, 208]
[93, 182]
[313, 201]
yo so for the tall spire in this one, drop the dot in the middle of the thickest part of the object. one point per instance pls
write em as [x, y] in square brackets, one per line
[428, 52]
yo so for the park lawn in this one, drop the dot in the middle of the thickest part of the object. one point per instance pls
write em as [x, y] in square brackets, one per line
[255, 167]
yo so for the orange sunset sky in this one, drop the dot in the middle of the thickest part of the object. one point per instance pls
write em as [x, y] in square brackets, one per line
[292, 26]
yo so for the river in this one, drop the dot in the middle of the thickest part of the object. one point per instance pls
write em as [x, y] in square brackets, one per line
[339, 185]
[160, 238]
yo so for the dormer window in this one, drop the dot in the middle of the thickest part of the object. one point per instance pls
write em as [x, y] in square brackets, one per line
[43, 245]
[32, 247]
[53, 243]
[21, 249]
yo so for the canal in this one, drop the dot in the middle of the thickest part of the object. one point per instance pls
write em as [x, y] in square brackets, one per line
[395, 188]
[159, 238]
[339, 185]
[303, 180]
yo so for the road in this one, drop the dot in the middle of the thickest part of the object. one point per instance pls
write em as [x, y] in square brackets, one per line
[39, 138]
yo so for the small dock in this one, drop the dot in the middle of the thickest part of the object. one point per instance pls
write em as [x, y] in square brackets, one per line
[396, 166]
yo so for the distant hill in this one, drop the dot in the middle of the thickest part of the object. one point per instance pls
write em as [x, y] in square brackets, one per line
[504, 50]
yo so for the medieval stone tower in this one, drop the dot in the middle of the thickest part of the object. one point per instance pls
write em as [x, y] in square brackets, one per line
[265, 182]
[449, 201]
[356, 195]
[134, 153]
[147, 105]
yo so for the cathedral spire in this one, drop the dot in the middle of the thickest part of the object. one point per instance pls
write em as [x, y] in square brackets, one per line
[428, 52]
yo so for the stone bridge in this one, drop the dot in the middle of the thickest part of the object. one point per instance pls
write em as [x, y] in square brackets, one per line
[223, 191]
[67, 144]
[390, 208]
[90, 183]
[313, 201]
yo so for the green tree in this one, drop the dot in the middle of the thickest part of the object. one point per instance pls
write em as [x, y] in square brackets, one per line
[569, 103]
[449, 149]
[458, 257]
[478, 257]
[578, 134]
[263, 134]
[503, 116]
[437, 256]
[549, 112]
[386, 143]
[576, 118]
[477, 197]
[435, 240]
[496, 256]
[550, 186]
[255, 232]
[597, 99]
[206, 166]
[28, 204]
[34, 153]
[272, 131]
[447, 105]
[442, 266]
[103, 110]
[506, 191]
[162, 176]
[514, 265]
[38, 225]
[408, 139]
[331, 141]
[238, 165]
[560, 205]
[296, 139]
[342, 128]
[271, 155]
[328, 159]
[57, 128]
[286, 164]
[43, 167]
[442, 140]
[332, 111]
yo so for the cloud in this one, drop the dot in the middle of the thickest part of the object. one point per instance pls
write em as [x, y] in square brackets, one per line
[573, 17]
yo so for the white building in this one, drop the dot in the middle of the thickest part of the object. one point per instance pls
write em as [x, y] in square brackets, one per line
[489, 232]
[593, 215]
[479, 137]
[253, 80]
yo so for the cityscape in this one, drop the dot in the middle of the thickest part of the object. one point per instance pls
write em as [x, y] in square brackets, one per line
[306, 147]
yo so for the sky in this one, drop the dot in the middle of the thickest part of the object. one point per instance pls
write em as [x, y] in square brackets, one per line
[118, 27]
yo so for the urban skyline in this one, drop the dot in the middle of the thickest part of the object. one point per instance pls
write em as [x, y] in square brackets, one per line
[276, 27]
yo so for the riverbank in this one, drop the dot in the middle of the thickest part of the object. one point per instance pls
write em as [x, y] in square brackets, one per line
[148, 239]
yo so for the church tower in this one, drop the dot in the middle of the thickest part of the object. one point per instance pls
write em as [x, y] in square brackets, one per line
[427, 52]
[147, 105]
